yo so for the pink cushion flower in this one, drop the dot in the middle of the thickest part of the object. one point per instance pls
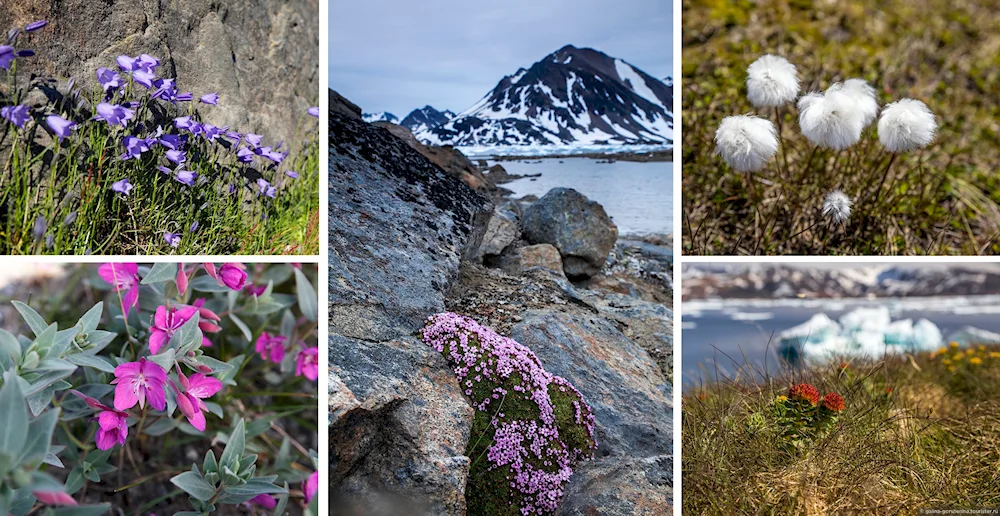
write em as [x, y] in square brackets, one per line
[166, 322]
[123, 277]
[137, 382]
[307, 363]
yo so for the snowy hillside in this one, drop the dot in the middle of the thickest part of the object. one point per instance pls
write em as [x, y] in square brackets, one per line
[703, 281]
[381, 116]
[572, 96]
[426, 118]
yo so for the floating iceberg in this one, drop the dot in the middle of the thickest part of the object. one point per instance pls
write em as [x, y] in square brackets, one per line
[867, 332]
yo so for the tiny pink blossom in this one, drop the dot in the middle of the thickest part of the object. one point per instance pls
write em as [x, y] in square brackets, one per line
[210, 269]
[181, 280]
[189, 402]
[123, 277]
[233, 275]
[112, 428]
[271, 347]
[166, 322]
[310, 486]
[307, 363]
[54, 498]
[138, 381]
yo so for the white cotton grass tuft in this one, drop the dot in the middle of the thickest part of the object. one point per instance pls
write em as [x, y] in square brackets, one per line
[906, 125]
[772, 81]
[830, 119]
[837, 207]
[746, 142]
[863, 95]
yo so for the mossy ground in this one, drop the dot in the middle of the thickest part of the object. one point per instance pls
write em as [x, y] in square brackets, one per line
[942, 200]
[918, 432]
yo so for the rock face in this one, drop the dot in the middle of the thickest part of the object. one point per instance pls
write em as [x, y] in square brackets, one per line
[450, 159]
[260, 55]
[577, 226]
[398, 228]
[399, 426]
[632, 407]
[523, 259]
[501, 231]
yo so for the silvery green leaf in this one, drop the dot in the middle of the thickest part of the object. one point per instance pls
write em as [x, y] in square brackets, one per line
[45, 340]
[82, 510]
[207, 284]
[215, 409]
[277, 274]
[217, 366]
[44, 482]
[91, 319]
[253, 487]
[161, 427]
[188, 337]
[50, 371]
[287, 324]
[39, 437]
[14, 429]
[99, 339]
[30, 316]
[235, 446]
[244, 329]
[93, 361]
[279, 508]
[53, 460]
[308, 301]
[62, 341]
[9, 346]
[195, 485]
[164, 359]
[210, 464]
[160, 273]
[22, 502]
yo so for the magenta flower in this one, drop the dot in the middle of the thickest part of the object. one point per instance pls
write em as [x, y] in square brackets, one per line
[206, 317]
[7, 55]
[311, 486]
[313, 111]
[233, 275]
[189, 402]
[60, 126]
[271, 347]
[123, 277]
[186, 177]
[123, 187]
[210, 98]
[307, 363]
[172, 239]
[166, 322]
[112, 428]
[265, 500]
[114, 114]
[255, 291]
[137, 382]
[17, 115]
[54, 498]
[33, 26]
[108, 78]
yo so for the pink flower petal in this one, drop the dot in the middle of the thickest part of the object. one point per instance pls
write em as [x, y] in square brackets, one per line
[157, 338]
[54, 498]
[125, 398]
[204, 386]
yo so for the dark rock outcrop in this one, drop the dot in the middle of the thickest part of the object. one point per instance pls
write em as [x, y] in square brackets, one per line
[260, 55]
[450, 159]
[398, 227]
[580, 228]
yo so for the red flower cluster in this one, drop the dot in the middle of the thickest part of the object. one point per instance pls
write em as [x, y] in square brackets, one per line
[833, 402]
[805, 392]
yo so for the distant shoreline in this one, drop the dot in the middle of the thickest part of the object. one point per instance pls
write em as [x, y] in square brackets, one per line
[642, 157]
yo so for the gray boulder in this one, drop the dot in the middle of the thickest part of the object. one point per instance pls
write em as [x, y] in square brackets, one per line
[501, 231]
[399, 227]
[577, 226]
[260, 55]
[539, 256]
[398, 430]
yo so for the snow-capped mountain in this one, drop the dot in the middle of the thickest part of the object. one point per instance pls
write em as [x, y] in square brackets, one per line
[701, 281]
[572, 96]
[381, 116]
[426, 118]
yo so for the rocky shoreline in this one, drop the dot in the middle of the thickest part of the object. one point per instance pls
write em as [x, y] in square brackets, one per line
[417, 231]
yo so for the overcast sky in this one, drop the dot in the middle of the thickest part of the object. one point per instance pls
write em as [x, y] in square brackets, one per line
[392, 55]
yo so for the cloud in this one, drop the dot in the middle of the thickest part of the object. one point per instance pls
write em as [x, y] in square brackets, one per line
[387, 55]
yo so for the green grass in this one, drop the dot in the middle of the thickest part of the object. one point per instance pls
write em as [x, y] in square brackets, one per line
[918, 432]
[942, 200]
[56, 197]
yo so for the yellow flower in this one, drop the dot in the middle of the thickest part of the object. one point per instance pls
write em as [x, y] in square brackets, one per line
[975, 361]
[942, 351]
[958, 357]
[982, 348]
[954, 345]
[994, 354]
[781, 399]
[946, 362]
[951, 369]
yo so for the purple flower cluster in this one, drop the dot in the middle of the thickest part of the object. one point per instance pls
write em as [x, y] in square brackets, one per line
[495, 371]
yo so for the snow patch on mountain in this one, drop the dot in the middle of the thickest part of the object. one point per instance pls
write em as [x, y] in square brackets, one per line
[381, 116]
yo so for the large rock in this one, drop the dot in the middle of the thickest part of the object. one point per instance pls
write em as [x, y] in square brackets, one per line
[261, 56]
[501, 231]
[632, 407]
[399, 425]
[399, 226]
[538, 256]
[577, 226]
